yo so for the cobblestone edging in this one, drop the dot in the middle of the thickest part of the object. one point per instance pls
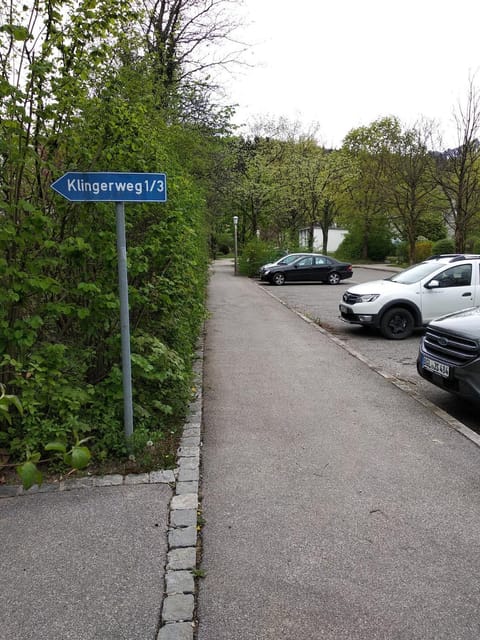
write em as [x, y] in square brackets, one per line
[177, 617]
[114, 480]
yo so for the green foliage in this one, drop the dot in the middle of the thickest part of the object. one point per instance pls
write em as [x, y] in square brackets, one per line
[254, 254]
[379, 246]
[59, 307]
[432, 226]
[150, 450]
[401, 252]
[445, 245]
[76, 457]
[199, 573]
[6, 402]
[423, 249]
[223, 243]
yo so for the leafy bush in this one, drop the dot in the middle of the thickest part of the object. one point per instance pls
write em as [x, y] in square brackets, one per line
[223, 243]
[473, 245]
[378, 247]
[60, 331]
[59, 318]
[423, 249]
[254, 254]
[401, 252]
[445, 245]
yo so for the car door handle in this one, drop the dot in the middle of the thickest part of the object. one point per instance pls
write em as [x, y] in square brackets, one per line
[466, 295]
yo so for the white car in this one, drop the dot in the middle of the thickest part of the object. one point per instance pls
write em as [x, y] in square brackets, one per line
[412, 298]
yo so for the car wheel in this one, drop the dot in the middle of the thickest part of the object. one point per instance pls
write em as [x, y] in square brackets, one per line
[397, 324]
[333, 278]
[278, 279]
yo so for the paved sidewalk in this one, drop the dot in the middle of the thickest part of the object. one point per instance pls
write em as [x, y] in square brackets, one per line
[336, 506]
[86, 564]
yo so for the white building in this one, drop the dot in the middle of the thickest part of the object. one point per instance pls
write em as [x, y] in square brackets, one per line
[335, 237]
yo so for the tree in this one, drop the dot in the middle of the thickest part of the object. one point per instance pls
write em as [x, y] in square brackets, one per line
[300, 180]
[366, 153]
[254, 193]
[410, 193]
[182, 37]
[306, 167]
[332, 194]
[458, 171]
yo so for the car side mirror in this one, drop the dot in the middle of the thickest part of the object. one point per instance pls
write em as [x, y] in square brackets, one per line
[433, 284]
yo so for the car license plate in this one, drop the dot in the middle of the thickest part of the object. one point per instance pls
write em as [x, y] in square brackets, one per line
[436, 367]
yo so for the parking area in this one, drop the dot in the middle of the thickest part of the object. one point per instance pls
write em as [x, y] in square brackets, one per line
[320, 303]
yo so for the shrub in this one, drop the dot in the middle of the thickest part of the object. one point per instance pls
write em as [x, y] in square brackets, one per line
[379, 246]
[401, 252]
[445, 245]
[60, 336]
[255, 253]
[423, 249]
[223, 243]
[473, 245]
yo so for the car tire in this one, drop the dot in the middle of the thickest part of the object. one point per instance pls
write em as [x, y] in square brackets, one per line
[333, 278]
[397, 324]
[278, 279]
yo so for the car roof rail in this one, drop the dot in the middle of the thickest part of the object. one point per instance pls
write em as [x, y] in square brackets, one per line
[469, 256]
[454, 256]
[439, 256]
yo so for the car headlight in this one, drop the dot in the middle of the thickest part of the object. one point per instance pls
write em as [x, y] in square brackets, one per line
[368, 297]
[266, 272]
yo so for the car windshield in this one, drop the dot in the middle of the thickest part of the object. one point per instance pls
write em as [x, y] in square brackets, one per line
[415, 273]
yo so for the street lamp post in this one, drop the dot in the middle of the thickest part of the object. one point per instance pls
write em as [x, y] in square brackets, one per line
[235, 225]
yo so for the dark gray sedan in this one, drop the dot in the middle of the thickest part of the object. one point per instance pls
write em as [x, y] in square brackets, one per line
[313, 268]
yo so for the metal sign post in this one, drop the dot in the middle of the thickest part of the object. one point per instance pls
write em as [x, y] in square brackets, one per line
[124, 319]
[119, 188]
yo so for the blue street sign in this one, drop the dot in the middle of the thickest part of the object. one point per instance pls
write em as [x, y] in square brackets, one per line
[112, 187]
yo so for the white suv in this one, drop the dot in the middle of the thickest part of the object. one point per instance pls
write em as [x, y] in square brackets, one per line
[440, 285]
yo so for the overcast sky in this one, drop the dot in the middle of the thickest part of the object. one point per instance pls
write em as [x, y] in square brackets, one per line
[345, 63]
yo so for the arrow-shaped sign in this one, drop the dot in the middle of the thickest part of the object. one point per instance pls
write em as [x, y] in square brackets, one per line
[112, 187]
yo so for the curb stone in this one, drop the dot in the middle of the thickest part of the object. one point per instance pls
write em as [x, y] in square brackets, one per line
[176, 631]
[178, 606]
[165, 476]
[188, 456]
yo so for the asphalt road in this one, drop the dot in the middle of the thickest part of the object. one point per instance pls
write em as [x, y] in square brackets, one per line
[396, 357]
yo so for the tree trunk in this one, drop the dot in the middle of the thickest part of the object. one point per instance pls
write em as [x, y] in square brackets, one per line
[310, 237]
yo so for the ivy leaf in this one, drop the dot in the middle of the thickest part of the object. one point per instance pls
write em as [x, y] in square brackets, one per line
[56, 446]
[29, 474]
[80, 457]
